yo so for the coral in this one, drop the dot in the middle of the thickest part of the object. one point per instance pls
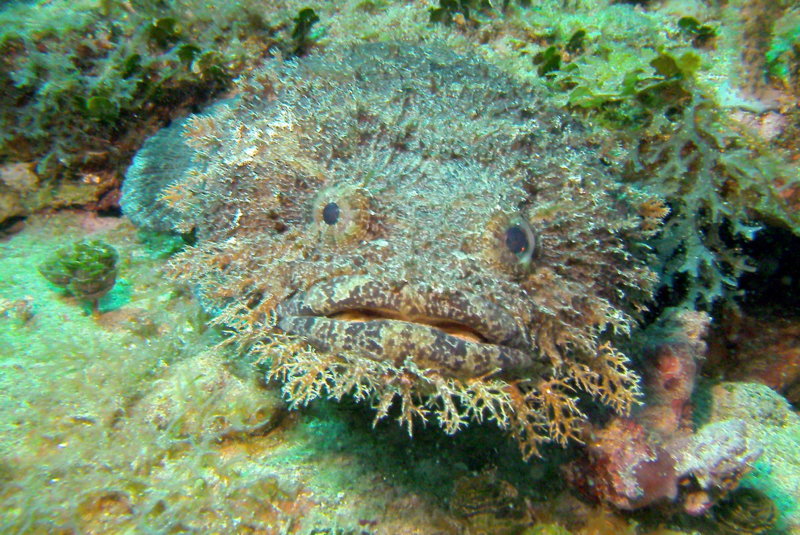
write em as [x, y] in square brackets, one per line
[629, 468]
[330, 240]
[86, 269]
[745, 512]
[712, 462]
[624, 467]
[760, 349]
[776, 428]
[656, 455]
[675, 346]
[487, 503]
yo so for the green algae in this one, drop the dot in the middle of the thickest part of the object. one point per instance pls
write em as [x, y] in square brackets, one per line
[87, 269]
[660, 95]
[302, 33]
[77, 75]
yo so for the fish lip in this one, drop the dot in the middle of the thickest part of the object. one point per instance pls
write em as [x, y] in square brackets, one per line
[405, 324]
[410, 303]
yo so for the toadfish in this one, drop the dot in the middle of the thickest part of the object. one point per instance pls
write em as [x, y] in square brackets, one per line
[412, 227]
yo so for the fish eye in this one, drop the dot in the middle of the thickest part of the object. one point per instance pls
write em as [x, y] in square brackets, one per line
[330, 213]
[343, 214]
[520, 239]
[516, 240]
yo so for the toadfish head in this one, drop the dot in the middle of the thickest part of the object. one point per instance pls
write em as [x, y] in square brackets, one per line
[400, 222]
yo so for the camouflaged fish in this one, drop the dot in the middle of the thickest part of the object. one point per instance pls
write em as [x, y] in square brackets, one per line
[411, 227]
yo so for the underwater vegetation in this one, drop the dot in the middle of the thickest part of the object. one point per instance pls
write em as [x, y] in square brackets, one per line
[86, 269]
[716, 179]
[647, 79]
[720, 180]
[370, 232]
[465, 11]
[302, 32]
[688, 106]
[81, 84]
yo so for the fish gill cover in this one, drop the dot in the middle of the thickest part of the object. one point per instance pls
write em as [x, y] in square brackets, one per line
[406, 225]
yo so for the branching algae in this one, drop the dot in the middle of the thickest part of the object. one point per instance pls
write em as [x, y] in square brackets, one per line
[410, 227]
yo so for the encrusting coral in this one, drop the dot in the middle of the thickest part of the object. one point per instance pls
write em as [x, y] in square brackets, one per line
[401, 223]
[656, 456]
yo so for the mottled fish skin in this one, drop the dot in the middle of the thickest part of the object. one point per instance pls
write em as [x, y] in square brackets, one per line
[506, 346]
[379, 201]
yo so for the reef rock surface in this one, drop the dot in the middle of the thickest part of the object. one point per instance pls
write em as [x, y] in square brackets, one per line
[404, 224]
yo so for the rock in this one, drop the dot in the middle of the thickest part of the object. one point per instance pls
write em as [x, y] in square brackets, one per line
[776, 428]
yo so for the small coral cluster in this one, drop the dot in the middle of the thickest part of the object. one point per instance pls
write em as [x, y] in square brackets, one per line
[87, 269]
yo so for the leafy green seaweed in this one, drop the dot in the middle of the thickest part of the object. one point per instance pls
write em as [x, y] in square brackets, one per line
[86, 269]
[719, 182]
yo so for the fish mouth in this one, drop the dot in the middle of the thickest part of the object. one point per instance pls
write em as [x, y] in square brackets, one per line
[457, 333]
